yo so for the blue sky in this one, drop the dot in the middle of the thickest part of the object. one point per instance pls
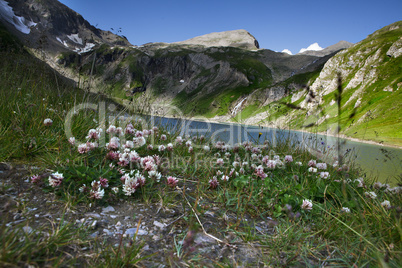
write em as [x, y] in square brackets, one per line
[292, 24]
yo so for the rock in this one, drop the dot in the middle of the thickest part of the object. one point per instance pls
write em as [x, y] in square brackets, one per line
[159, 224]
[396, 49]
[131, 232]
[93, 215]
[203, 239]
[108, 209]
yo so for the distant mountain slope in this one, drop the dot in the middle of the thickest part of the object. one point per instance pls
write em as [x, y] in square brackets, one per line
[371, 72]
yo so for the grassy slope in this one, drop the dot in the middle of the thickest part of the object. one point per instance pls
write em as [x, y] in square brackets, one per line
[378, 116]
[31, 92]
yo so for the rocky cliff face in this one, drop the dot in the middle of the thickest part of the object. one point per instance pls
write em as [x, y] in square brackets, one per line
[52, 27]
[236, 38]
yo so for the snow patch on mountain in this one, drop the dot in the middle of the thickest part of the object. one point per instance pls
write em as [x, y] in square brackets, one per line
[88, 47]
[75, 38]
[314, 47]
[20, 23]
[63, 42]
[287, 51]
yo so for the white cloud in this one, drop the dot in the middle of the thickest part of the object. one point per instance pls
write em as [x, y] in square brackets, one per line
[287, 51]
[314, 47]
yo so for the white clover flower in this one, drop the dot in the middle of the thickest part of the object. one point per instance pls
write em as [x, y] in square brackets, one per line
[115, 190]
[345, 210]
[111, 130]
[386, 204]
[307, 204]
[71, 140]
[55, 179]
[324, 175]
[321, 166]
[82, 188]
[371, 195]
[97, 194]
[153, 174]
[139, 141]
[288, 158]
[299, 163]
[188, 143]
[170, 146]
[313, 170]
[206, 148]
[161, 148]
[360, 182]
[48, 122]
[235, 164]
[225, 178]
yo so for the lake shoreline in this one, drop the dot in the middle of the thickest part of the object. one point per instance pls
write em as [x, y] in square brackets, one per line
[342, 136]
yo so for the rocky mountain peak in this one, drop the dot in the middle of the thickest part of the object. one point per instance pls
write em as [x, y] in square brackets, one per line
[235, 38]
[52, 24]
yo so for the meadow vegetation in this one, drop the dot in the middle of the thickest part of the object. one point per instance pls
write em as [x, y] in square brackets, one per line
[321, 213]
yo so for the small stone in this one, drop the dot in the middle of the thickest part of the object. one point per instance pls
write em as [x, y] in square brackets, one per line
[203, 239]
[159, 224]
[113, 216]
[107, 232]
[108, 209]
[131, 232]
[93, 215]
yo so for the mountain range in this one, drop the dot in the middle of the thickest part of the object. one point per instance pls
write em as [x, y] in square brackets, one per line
[223, 76]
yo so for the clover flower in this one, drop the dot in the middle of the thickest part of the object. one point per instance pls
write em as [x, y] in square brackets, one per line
[161, 148]
[129, 144]
[179, 140]
[288, 158]
[93, 134]
[259, 171]
[140, 141]
[153, 174]
[345, 210]
[55, 179]
[115, 190]
[312, 163]
[104, 182]
[213, 183]
[35, 179]
[131, 184]
[71, 140]
[321, 166]
[386, 204]
[219, 161]
[163, 137]
[111, 130]
[371, 195]
[48, 122]
[312, 169]
[236, 164]
[150, 147]
[172, 181]
[190, 149]
[324, 175]
[113, 144]
[206, 148]
[225, 178]
[188, 143]
[271, 163]
[307, 205]
[170, 147]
